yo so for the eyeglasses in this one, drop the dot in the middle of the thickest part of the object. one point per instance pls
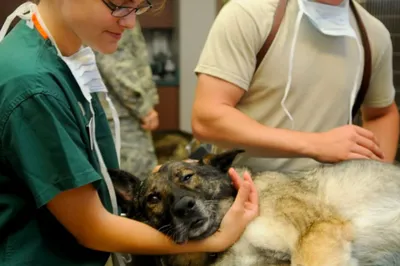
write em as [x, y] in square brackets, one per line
[123, 11]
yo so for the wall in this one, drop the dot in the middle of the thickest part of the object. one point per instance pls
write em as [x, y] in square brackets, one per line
[7, 7]
[195, 18]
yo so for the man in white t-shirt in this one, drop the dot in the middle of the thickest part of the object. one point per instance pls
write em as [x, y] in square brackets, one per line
[293, 118]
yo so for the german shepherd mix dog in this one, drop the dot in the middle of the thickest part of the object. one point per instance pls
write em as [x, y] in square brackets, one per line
[334, 215]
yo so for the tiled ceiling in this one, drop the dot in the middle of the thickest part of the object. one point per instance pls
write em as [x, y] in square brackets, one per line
[388, 11]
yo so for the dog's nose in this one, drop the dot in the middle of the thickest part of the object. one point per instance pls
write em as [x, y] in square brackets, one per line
[184, 207]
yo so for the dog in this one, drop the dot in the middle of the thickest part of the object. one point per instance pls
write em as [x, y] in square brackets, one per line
[343, 214]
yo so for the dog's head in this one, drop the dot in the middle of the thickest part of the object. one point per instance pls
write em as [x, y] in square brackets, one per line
[185, 200]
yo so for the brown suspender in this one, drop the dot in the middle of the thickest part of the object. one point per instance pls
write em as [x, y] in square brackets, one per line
[278, 17]
[367, 62]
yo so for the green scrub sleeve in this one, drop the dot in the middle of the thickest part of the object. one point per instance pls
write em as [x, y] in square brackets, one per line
[43, 144]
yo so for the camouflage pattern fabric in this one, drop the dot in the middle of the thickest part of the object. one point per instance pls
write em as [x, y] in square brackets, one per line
[137, 150]
[128, 77]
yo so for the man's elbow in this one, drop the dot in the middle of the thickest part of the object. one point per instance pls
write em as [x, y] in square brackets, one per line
[205, 123]
[208, 121]
[199, 129]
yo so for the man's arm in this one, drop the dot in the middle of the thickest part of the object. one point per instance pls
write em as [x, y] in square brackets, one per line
[380, 114]
[216, 120]
[384, 123]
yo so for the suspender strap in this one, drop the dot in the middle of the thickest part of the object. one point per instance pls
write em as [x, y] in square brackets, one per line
[278, 17]
[367, 62]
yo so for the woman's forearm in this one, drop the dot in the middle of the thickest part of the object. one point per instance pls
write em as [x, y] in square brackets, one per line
[123, 235]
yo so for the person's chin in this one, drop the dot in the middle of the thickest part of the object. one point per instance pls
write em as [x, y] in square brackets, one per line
[107, 48]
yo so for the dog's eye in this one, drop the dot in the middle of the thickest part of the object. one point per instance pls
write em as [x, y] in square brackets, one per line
[153, 198]
[186, 177]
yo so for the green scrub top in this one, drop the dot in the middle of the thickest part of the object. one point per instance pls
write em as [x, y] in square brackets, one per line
[44, 150]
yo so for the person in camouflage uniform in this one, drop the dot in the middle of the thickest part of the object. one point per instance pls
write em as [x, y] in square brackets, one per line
[128, 77]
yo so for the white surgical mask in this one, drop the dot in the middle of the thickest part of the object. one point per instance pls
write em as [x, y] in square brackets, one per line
[83, 66]
[329, 20]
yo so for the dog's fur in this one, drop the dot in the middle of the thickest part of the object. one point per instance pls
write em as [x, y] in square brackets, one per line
[344, 214]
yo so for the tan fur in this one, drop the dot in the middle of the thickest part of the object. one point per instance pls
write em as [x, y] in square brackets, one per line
[332, 216]
[325, 243]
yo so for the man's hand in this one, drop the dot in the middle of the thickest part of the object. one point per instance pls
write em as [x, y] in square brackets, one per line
[345, 143]
[150, 121]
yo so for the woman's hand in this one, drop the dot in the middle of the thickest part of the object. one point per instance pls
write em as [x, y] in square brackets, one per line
[150, 121]
[244, 209]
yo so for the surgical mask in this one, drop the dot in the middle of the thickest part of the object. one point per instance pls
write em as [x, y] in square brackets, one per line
[329, 20]
[83, 67]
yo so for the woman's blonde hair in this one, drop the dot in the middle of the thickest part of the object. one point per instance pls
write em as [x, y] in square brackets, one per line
[157, 7]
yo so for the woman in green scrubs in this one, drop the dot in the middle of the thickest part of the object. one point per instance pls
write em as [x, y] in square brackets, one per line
[55, 206]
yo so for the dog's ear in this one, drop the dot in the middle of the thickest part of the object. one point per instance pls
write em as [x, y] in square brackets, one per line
[222, 161]
[125, 185]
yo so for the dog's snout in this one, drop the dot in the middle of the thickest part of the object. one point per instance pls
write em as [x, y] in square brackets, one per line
[184, 207]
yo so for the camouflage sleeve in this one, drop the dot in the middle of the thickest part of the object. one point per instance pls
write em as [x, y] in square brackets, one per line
[128, 75]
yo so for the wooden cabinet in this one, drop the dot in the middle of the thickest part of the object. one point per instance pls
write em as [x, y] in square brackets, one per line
[163, 19]
[7, 7]
[159, 17]
[168, 108]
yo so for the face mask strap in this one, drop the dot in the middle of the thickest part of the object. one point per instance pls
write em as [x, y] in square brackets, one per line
[117, 127]
[291, 63]
[119, 260]
[347, 31]
[24, 12]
